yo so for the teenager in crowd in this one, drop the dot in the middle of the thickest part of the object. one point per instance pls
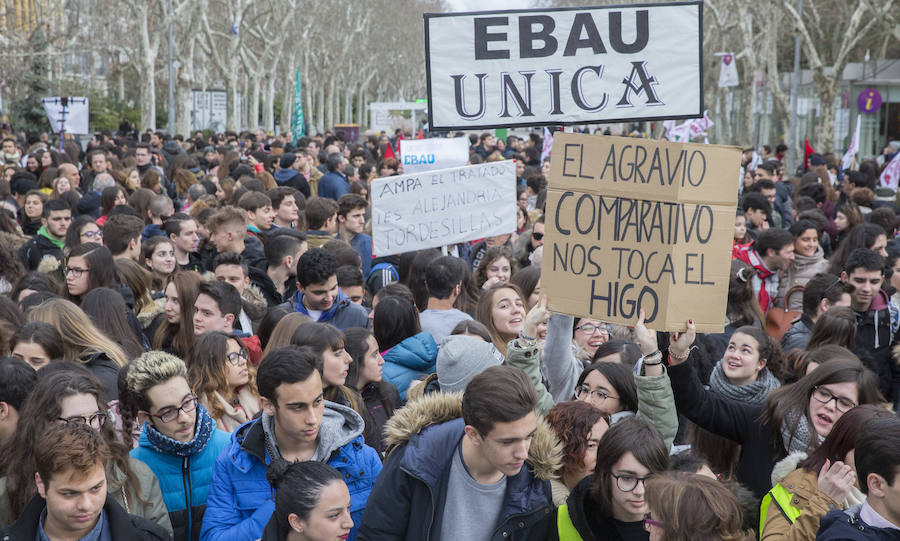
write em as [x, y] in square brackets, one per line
[495, 267]
[312, 502]
[88, 266]
[579, 427]
[366, 375]
[107, 310]
[173, 330]
[37, 343]
[409, 353]
[83, 230]
[159, 257]
[501, 309]
[809, 260]
[691, 507]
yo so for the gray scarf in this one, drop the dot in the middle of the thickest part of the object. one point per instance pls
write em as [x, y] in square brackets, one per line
[799, 438]
[751, 393]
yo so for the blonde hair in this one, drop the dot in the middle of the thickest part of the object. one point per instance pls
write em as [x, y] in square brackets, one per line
[151, 369]
[80, 336]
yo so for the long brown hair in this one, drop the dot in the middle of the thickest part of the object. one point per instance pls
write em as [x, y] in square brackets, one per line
[207, 370]
[692, 507]
[81, 338]
[842, 438]
[484, 311]
[186, 284]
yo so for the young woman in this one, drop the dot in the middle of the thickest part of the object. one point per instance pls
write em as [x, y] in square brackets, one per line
[381, 397]
[173, 330]
[159, 258]
[495, 267]
[88, 266]
[312, 503]
[579, 427]
[692, 507]
[32, 211]
[409, 353]
[71, 395]
[751, 367]
[501, 309]
[611, 503]
[284, 331]
[809, 260]
[865, 235]
[809, 486]
[139, 281]
[83, 230]
[836, 326]
[37, 343]
[109, 314]
[111, 198]
[795, 417]
[83, 342]
[221, 376]
[529, 281]
[846, 217]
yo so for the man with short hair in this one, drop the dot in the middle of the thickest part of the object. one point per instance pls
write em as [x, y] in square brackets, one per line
[288, 174]
[445, 473]
[756, 210]
[821, 293]
[769, 169]
[322, 221]
[47, 244]
[334, 184]
[160, 208]
[279, 282]
[17, 380]
[179, 440]
[876, 457]
[259, 212]
[286, 203]
[878, 319]
[318, 295]
[773, 251]
[72, 501]
[297, 424]
[217, 307]
[440, 317]
[230, 268]
[351, 283]
[352, 222]
[122, 235]
[227, 232]
[70, 171]
[10, 152]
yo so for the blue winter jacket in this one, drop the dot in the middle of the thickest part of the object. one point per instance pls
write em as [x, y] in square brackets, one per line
[840, 525]
[333, 185]
[343, 314]
[184, 481]
[241, 501]
[409, 360]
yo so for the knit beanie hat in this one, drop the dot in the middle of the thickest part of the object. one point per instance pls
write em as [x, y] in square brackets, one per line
[461, 358]
[287, 160]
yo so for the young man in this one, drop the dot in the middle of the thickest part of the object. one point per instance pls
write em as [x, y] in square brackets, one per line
[259, 211]
[72, 501]
[877, 319]
[467, 478]
[440, 317]
[821, 293]
[318, 295]
[48, 243]
[217, 307]
[122, 235]
[286, 203]
[160, 208]
[352, 221]
[350, 282]
[297, 424]
[773, 251]
[288, 174]
[229, 267]
[877, 459]
[279, 283]
[756, 210]
[227, 232]
[17, 380]
[179, 441]
[321, 218]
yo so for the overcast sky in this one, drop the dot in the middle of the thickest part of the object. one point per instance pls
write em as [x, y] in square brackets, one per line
[484, 5]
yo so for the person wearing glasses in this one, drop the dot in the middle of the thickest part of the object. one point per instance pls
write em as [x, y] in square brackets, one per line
[179, 440]
[84, 229]
[221, 376]
[611, 504]
[88, 266]
[793, 418]
[66, 393]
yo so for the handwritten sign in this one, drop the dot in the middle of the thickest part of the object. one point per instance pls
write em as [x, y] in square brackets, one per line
[419, 155]
[633, 224]
[560, 66]
[437, 208]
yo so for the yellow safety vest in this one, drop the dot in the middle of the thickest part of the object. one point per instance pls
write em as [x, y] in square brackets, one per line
[782, 499]
[564, 526]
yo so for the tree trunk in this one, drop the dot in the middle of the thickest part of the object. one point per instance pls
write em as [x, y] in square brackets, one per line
[329, 119]
[320, 108]
[183, 106]
[253, 106]
[269, 104]
[825, 124]
[232, 117]
[287, 99]
[360, 110]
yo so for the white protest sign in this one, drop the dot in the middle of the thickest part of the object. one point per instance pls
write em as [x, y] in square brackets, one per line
[69, 114]
[564, 66]
[728, 74]
[418, 155]
[438, 208]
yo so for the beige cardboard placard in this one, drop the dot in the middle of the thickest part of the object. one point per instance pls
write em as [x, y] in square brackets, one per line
[634, 223]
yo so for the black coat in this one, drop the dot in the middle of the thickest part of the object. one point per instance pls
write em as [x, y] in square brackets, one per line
[591, 525]
[32, 252]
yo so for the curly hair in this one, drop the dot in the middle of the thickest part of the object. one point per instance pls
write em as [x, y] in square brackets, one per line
[491, 255]
[572, 422]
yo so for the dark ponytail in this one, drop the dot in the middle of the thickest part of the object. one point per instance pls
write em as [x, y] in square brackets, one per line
[298, 487]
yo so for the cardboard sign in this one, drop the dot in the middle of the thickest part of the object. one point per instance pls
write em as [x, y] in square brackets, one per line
[633, 224]
[418, 155]
[564, 66]
[438, 208]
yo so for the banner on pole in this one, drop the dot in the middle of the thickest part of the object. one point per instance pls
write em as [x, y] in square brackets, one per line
[847, 160]
[564, 66]
[636, 223]
[419, 155]
[891, 174]
[67, 114]
[298, 125]
[448, 206]
[728, 74]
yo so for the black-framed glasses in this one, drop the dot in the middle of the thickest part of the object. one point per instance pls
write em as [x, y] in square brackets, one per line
[583, 392]
[235, 357]
[170, 414]
[76, 272]
[627, 483]
[590, 328]
[823, 395]
[95, 421]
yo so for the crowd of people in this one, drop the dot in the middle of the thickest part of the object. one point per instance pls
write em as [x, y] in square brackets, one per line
[199, 344]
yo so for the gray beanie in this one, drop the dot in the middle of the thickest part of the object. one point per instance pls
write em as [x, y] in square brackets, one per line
[461, 358]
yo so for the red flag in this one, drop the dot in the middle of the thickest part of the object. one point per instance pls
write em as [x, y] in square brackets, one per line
[807, 153]
[420, 135]
[389, 152]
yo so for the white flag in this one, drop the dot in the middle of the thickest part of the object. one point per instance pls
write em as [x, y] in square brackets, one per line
[847, 161]
[891, 173]
[728, 75]
[547, 146]
[70, 114]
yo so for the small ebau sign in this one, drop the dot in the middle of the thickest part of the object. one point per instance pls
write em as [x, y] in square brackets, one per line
[634, 224]
[564, 66]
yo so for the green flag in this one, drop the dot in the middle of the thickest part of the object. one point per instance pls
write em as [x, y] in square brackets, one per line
[298, 126]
